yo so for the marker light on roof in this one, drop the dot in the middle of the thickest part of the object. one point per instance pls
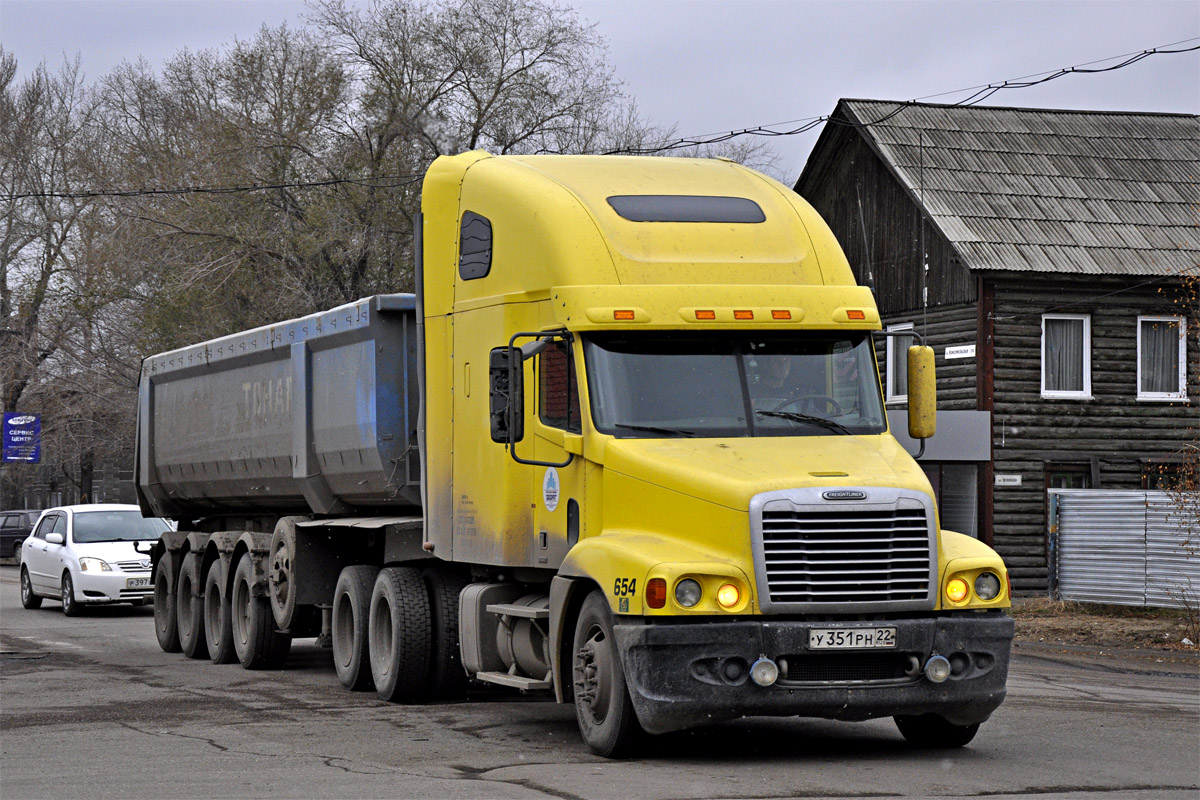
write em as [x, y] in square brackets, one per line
[784, 314]
[623, 315]
[856, 314]
[706, 315]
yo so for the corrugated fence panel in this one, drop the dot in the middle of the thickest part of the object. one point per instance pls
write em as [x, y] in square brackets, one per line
[1125, 548]
[1172, 558]
[1102, 547]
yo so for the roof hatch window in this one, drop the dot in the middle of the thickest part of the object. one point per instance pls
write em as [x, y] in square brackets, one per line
[686, 208]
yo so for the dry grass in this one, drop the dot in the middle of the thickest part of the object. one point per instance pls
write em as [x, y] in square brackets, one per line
[1119, 627]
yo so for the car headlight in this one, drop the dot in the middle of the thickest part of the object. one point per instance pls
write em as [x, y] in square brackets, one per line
[94, 565]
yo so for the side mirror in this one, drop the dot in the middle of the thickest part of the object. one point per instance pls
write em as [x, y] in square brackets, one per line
[922, 393]
[507, 399]
[54, 538]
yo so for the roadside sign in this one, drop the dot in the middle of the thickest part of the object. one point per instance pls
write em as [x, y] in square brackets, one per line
[22, 438]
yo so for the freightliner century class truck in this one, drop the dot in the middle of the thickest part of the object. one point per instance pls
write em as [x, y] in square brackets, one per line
[625, 445]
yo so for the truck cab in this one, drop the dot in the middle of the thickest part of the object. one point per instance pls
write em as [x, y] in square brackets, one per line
[651, 383]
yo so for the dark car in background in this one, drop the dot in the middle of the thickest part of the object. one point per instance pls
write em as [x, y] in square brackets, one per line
[14, 527]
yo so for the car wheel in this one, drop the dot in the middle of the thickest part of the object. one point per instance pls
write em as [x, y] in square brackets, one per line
[17, 553]
[71, 606]
[28, 598]
[934, 732]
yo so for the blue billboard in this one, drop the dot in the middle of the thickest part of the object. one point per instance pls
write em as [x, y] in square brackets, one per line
[22, 437]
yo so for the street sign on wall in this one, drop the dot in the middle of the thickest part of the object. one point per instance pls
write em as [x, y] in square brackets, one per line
[22, 438]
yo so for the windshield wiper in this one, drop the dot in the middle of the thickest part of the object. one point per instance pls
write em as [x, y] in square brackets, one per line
[655, 429]
[797, 417]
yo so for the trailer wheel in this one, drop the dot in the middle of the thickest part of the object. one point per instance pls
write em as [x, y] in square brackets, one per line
[166, 626]
[934, 732]
[447, 678]
[188, 610]
[602, 706]
[351, 615]
[281, 576]
[399, 640]
[257, 642]
[218, 625]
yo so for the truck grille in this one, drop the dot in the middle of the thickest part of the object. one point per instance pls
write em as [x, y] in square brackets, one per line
[851, 555]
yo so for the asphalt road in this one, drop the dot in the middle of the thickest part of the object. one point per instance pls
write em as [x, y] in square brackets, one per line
[91, 707]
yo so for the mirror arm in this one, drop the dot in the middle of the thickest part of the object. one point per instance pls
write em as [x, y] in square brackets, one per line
[541, 342]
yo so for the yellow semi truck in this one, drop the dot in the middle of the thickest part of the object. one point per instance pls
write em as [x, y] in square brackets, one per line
[625, 445]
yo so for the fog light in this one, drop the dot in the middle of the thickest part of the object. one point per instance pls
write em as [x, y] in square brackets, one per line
[937, 669]
[957, 590]
[687, 593]
[728, 595]
[764, 672]
[987, 586]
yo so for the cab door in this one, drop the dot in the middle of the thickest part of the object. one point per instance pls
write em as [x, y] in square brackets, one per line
[558, 491]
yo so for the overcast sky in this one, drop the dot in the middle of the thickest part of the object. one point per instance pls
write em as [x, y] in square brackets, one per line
[714, 65]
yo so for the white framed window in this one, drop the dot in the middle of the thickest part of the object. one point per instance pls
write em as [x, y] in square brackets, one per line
[897, 362]
[1161, 358]
[1067, 355]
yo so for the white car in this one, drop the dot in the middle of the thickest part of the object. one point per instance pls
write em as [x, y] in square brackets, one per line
[89, 554]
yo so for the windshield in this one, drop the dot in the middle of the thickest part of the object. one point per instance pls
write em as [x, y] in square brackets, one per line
[721, 384]
[116, 526]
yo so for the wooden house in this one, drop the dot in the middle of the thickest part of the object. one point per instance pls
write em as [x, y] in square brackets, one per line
[1050, 259]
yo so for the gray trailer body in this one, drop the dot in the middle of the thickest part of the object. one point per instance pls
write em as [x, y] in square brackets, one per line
[313, 415]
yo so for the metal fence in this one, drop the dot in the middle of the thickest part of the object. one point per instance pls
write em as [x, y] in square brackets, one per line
[1126, 548]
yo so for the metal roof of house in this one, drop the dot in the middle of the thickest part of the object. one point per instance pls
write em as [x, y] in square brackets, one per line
[1091, 192]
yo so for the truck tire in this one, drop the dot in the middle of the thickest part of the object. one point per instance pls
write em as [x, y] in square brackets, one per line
[399, 639]
[28, 598]
[281, 575]
[166, 625]
[351, 615]
[447, 678]
[256, 639]
[218, 622]
[602, 706]
[189, 612]
[934, 732]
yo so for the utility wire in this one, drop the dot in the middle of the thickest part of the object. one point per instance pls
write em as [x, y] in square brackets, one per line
[978, 94]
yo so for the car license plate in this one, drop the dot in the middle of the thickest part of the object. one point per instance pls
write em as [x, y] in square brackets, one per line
[137, 583]
[851, 638]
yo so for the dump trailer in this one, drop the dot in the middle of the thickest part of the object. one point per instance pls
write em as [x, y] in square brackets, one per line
[626, 446]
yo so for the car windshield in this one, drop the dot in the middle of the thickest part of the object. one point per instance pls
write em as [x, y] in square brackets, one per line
[718, 384]
[116, 526]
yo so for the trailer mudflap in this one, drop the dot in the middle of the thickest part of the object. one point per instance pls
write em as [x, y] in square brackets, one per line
[681, 675]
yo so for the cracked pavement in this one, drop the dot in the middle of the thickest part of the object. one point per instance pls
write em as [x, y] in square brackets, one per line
[90, 706]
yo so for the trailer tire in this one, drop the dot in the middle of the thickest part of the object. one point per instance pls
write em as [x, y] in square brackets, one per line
[351, 617]
[166, 625]
[603, 709]
[934, 732]
[399, 639]
[447, 678]
[256, 640]
[188, 609]
[218, 622]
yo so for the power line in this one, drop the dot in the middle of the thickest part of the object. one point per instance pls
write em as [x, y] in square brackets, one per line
[978, 94]
[378, 182]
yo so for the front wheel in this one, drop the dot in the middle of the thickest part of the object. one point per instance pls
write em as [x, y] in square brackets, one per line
[934, 732]
[602, 706]
[28, 598]
[71, 606]
[257, 642]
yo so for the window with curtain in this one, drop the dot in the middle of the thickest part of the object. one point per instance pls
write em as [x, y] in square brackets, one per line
[897, 363]
[1162, 350]
[1066, 355]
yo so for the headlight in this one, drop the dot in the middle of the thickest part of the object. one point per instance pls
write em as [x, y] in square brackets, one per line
[94, 565]
[987, 586]
[687, 593]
